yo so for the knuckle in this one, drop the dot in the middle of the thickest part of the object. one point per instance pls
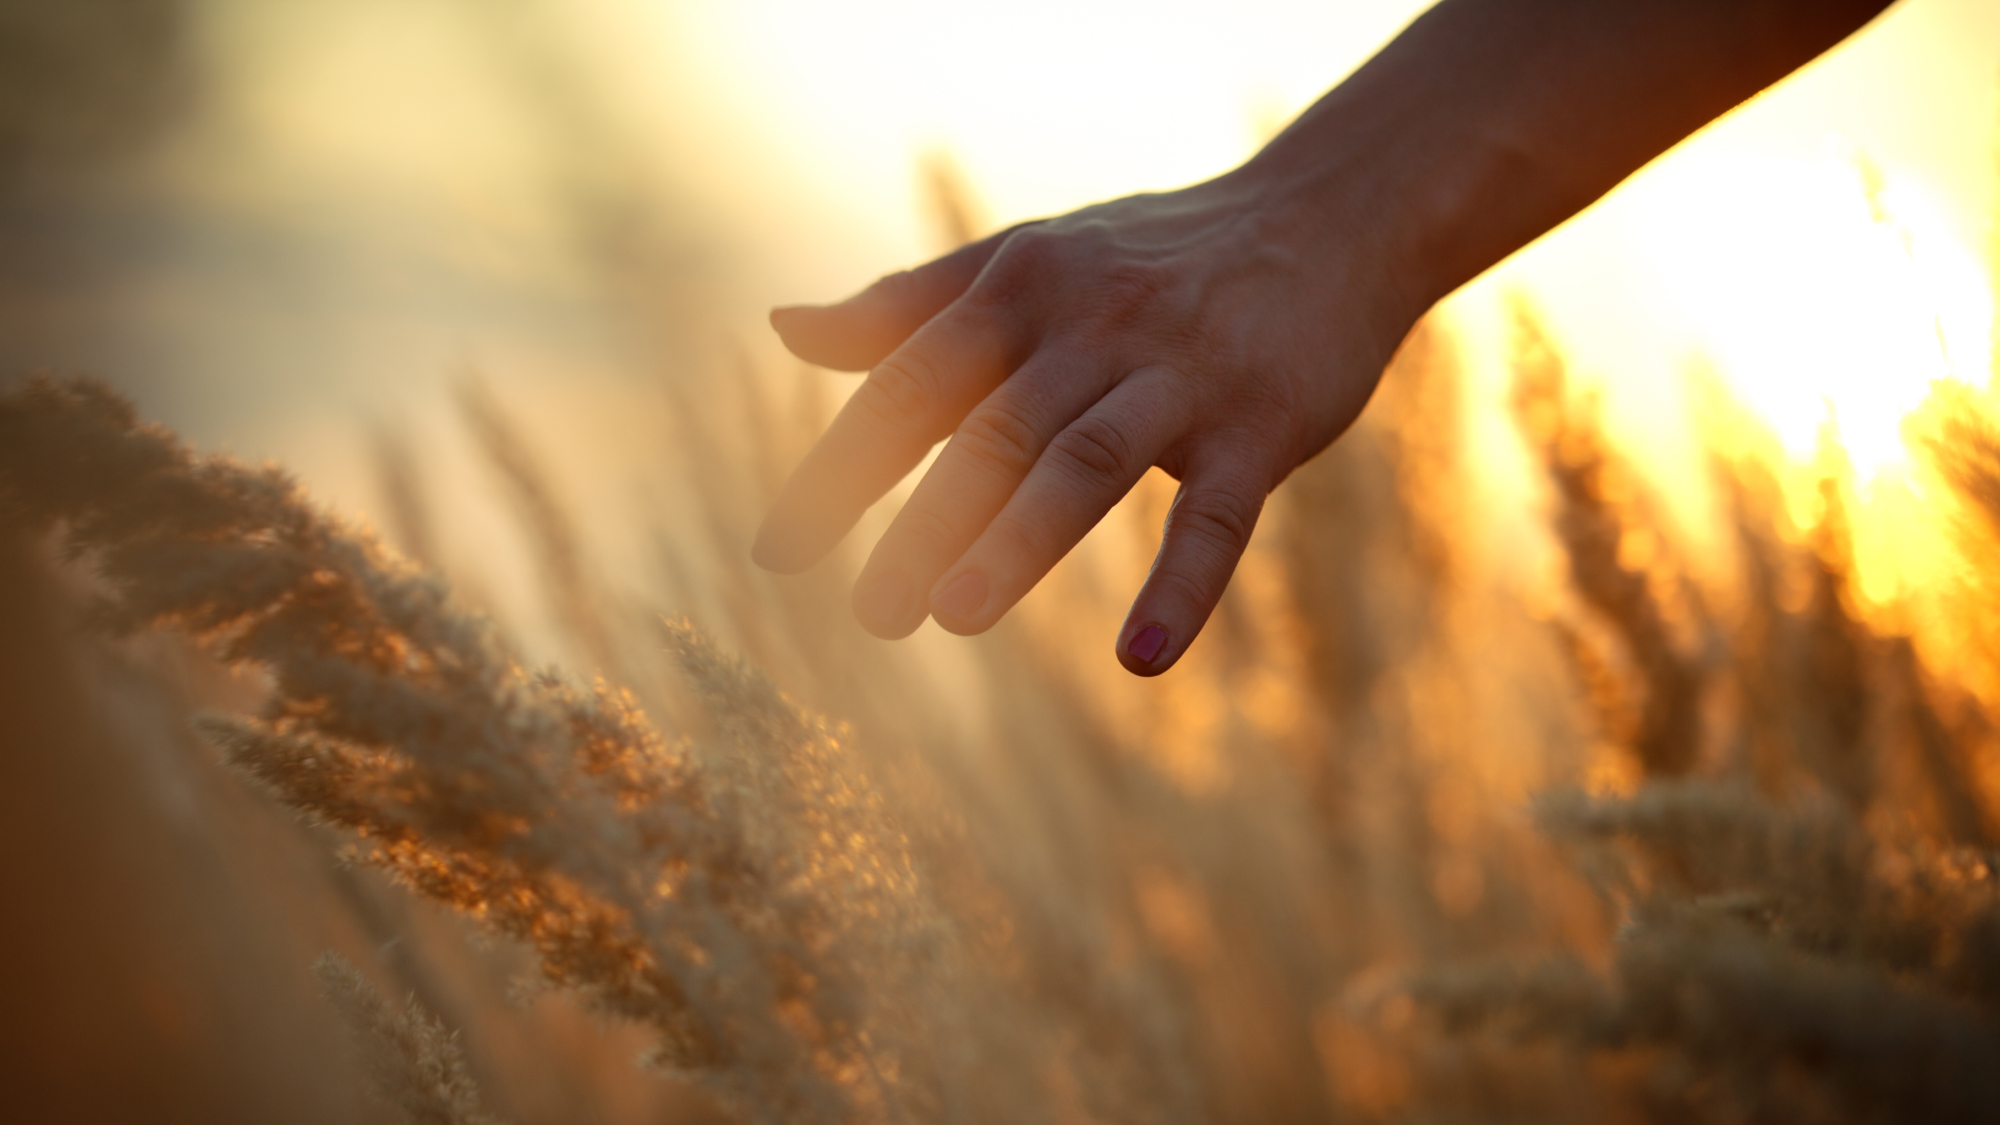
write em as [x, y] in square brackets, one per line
[1176, 586]
[1015, 539]
[1218, 520]
[1000, 436]
[924, 526]
[895, 288]
[1021, 267]
[1131, 286]
[1029, 248]
[901, 390]
[1094, 448]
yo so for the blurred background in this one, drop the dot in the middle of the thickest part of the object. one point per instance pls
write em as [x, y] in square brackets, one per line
[490, 276]
[283, 226]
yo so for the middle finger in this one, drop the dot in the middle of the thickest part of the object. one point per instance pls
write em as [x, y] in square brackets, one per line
[985, 461]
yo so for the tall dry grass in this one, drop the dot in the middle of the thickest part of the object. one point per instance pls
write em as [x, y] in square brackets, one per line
[1669, 841]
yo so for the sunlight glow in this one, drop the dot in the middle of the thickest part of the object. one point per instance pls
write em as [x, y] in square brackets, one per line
[1823, 292]
[1831, 286]
[1822, 280]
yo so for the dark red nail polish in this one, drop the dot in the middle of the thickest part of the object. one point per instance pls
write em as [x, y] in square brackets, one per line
[963, 597]
[1146, 644]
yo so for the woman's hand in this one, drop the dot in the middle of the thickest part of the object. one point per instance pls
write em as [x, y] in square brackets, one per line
[1224, 333]
[1230, 331]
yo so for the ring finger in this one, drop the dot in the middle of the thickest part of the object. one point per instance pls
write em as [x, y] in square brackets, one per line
[1085, 470]
[993, 450]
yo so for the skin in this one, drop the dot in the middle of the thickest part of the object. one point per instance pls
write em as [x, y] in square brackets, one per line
[1229, 331]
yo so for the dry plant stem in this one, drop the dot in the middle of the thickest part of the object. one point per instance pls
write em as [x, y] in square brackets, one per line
[1665, 733]
[413, 1060]
[556, 540]
[1764, 938]
[1834, 743]
[399, 478]
[714, 902]
[1827, 700]
[1966, 449]
[953, 210]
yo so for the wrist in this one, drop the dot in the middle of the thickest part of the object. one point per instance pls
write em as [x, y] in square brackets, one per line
[1488, 122]
[1340, 188]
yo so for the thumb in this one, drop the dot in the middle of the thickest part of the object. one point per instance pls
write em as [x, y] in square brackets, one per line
[858, 333]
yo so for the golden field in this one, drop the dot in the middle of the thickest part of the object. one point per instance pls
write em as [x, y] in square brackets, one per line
[1534, 768]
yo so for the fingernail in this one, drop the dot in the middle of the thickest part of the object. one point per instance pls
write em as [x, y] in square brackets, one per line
[764, 552]
[772, 550]
[1146, 644]
[963, 597]
[882, 604]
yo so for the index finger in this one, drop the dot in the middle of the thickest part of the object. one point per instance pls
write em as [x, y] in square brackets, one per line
[859, 332]
[911, 401]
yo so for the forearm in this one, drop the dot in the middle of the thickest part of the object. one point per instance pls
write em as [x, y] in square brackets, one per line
[1488, 122]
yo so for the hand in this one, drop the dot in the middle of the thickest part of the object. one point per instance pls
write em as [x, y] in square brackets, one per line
[1214, 332]
[1229, 331]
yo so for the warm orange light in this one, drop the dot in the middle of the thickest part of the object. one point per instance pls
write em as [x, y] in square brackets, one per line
[1822, 291]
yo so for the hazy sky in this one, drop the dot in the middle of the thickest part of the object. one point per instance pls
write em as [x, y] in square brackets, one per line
[1826, 249]
[576, 196]
[786, 136]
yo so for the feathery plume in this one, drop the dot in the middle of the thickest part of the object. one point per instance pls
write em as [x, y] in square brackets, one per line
[413, 1061]
[715, 894]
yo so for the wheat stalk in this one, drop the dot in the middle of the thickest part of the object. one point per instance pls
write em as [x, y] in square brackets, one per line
[730, 896]
[413, 1061]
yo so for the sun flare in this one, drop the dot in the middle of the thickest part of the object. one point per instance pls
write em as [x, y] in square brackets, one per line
[1823, 292]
